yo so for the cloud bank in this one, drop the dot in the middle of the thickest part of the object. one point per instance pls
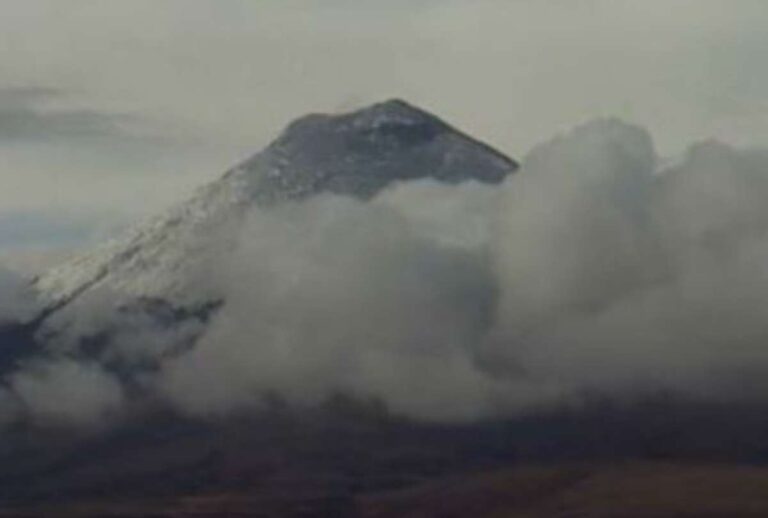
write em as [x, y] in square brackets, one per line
[595, 268]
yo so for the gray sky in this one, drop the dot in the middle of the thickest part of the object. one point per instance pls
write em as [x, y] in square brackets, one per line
[112, 110]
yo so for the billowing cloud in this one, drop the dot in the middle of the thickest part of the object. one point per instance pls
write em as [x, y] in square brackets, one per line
[596, 268]
[593, 269]
[620, 277]
[335, 295]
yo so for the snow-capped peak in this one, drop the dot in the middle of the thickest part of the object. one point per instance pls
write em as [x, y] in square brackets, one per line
[355, 154]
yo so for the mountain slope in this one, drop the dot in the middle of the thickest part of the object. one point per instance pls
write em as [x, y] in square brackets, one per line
[160, 268]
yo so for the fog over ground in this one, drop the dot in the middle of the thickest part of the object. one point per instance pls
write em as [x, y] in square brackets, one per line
[593, 269]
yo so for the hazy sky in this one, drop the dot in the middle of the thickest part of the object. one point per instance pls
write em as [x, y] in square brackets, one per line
[111, 110]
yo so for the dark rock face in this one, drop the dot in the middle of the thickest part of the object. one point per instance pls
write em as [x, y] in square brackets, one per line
[360, 153]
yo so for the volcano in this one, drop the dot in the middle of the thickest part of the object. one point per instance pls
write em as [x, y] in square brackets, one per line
[157, 271]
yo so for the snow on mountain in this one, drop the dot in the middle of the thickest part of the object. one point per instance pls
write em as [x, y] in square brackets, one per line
[166, 259]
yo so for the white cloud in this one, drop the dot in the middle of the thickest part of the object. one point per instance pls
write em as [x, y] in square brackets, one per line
[67, 393]
[611, 277]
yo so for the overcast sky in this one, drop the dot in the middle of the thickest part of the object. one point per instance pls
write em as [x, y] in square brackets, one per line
[112, 110]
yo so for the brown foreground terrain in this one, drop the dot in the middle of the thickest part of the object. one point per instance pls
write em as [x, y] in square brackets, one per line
[648, 490]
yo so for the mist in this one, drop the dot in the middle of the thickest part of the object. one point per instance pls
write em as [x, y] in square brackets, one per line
[66, 393]
[596, 268]
[17, 299]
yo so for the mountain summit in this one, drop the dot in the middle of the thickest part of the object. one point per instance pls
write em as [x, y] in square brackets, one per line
[353, 154]
[360, 153]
